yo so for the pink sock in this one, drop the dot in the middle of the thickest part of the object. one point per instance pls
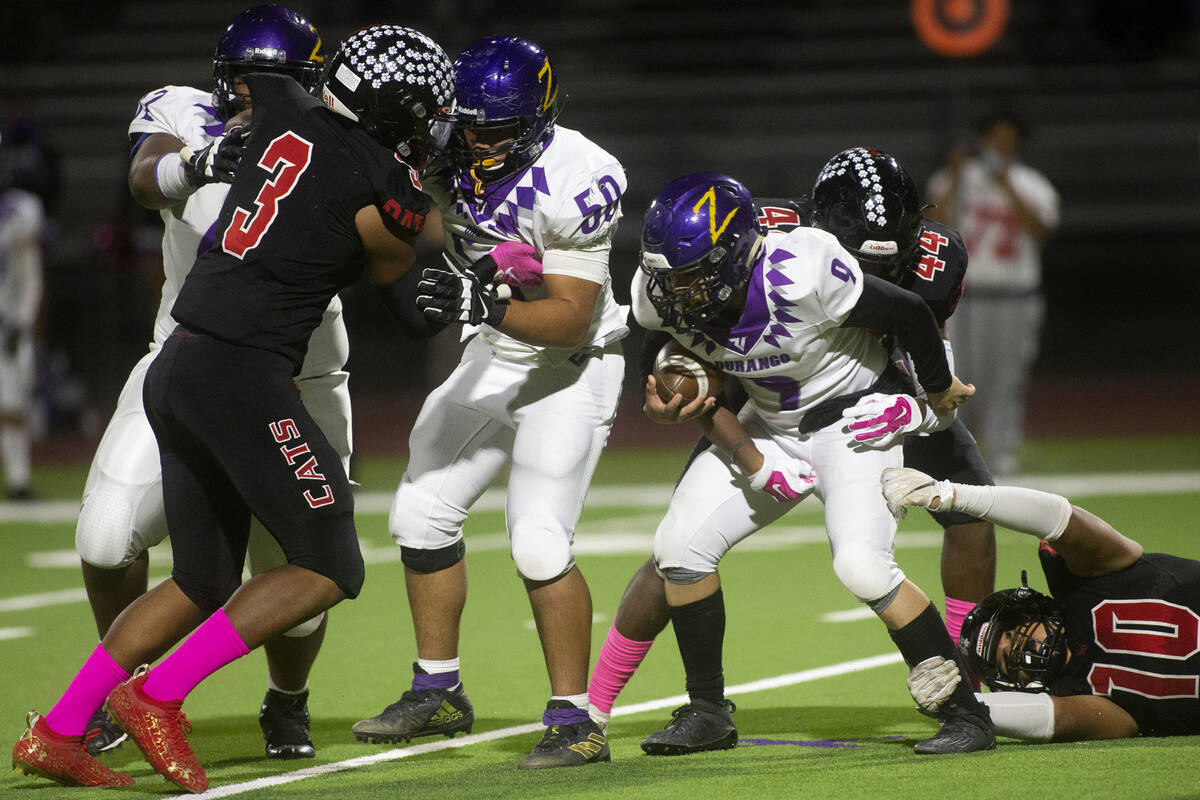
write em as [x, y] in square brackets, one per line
[211, 646]
[619, 659]
[956, 615]
[91, 685]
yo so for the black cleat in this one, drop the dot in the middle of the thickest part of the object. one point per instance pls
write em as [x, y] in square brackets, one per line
[426, 712]
[962, 731]
[283, 718]
[568, 745]
[102, 734]
[698, 726]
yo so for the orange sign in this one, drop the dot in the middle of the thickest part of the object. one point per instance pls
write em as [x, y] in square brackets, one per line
[959, 28]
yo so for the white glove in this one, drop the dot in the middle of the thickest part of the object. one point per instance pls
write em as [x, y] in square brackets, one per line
[785, 479]
[882, 419]
[903, 487]
[932, 682]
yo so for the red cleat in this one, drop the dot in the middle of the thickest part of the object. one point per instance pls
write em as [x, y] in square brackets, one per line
[158, 729]
[46, 754]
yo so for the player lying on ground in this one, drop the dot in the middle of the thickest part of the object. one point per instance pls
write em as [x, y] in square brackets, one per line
[1115, 650]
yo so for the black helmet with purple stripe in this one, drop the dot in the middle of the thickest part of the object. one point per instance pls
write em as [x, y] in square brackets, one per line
[266, 38]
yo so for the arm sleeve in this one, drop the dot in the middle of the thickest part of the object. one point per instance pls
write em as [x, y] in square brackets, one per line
[400, 299]
[888, 308]
[1021, 715]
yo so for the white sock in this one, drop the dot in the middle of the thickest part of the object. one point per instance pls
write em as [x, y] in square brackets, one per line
[275, 687]
[1029, 511]
[434, 667]
[577, 700]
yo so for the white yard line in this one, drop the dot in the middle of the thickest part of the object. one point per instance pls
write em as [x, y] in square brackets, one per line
[763, 685]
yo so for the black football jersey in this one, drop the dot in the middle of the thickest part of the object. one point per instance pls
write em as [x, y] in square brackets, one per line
[286, 241]
[937, 275]
[1134, 637]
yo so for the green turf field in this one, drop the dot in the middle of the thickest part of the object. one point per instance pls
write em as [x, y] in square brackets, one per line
[821, 730]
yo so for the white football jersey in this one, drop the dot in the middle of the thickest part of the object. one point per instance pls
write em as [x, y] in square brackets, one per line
[788, 348]
[21, 220]
[567, 200]
[1003, 254]
[189, 228]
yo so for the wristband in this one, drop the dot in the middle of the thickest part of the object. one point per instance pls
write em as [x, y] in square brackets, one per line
[171, 179]
[733, 454]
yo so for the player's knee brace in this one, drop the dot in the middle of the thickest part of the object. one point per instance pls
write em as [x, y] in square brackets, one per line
[104, 532]
[541, 553]
[306, 628]
[867, 573]
[427, 561]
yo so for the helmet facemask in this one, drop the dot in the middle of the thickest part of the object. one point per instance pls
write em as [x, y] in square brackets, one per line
[1030, 625]
[696, 294]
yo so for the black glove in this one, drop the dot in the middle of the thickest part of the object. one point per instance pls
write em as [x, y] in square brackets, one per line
[461, 297]
[216, 162]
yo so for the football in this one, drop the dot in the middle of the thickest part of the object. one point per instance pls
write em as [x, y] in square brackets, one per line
[678, 371]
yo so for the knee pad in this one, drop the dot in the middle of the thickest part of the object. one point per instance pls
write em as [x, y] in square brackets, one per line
[681, 576]
[540, 553]
[104, 531]
[427, 561]
[306, 628]
[867, 573]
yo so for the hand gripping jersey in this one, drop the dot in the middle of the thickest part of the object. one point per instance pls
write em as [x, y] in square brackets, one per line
[567, 200]
[1134, 637]
[189, 228]
[788, 348]
[271, 273]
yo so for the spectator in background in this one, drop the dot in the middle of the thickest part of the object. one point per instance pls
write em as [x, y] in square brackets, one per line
[21, 221]
[1005, 210]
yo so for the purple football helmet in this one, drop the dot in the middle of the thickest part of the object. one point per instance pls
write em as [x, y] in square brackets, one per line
[506, 99]
[266, 38]
[395, 82]
[867, 200]
[700, 241]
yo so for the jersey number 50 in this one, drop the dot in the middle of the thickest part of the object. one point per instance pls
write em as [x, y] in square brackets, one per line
[285, 159]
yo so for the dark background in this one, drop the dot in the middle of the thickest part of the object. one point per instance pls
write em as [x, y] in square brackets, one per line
[764, 91]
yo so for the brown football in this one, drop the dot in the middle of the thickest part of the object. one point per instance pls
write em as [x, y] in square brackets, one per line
[679, 371]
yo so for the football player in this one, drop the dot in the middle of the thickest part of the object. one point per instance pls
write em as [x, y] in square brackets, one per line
[22, 217]
[320, 194]
[781, 312]
[182, 161]
[1115, 650]
[879, 223]
[536, 391]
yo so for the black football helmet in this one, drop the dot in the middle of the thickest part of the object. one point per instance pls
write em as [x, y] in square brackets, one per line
[396, 83]
[867, 200]
[266, 38]
[1030, 664]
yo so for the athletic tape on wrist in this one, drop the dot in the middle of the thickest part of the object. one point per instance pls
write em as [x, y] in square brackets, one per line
[171, 178]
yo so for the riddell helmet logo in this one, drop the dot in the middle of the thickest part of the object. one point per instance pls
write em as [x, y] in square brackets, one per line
[983, 629]
[710, 197]
[880, 248]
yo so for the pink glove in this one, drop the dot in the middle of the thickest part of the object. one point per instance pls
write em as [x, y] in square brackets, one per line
[883, 418]
[517, 264]
[785, 479]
